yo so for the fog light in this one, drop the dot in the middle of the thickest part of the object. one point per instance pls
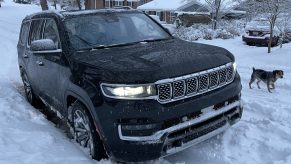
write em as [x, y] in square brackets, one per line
[138, 127]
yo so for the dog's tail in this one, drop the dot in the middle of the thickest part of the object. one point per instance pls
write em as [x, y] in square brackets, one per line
[254, 69]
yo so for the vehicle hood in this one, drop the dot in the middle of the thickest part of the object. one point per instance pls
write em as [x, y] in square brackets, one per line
[149, 62]
[258, 27]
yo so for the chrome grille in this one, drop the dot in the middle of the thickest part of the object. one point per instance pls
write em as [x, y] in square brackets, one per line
[194, 84]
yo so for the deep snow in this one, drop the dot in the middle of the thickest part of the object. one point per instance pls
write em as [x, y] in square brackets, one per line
[262, 136]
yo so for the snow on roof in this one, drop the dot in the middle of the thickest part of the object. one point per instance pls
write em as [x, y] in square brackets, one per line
[225, 4]
[191, 13]
[175, 5]
[165, 5]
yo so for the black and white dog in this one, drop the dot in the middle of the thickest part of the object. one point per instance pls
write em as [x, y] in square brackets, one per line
[267, 77]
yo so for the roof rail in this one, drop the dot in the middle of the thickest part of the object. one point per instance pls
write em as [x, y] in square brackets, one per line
[122, 7]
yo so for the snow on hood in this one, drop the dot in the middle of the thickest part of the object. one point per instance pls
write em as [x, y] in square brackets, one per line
[260, 25]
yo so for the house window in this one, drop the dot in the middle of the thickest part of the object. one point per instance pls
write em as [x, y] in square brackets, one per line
[118, 3]
[107, 3]
[129, 3]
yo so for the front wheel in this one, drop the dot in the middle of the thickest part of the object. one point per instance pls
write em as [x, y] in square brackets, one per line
[85, 132]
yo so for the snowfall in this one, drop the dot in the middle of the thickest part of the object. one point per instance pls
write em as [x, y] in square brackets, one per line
[263, 136]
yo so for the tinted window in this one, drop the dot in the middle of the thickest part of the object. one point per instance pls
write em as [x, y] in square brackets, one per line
[36, 30]
[51, 32]
[24, 33]
[112, 29]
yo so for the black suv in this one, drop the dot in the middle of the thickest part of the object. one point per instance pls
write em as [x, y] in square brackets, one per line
[128, 89]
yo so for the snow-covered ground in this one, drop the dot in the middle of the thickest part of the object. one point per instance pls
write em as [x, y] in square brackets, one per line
[263, 135]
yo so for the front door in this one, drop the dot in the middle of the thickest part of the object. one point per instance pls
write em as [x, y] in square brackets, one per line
[49, 67]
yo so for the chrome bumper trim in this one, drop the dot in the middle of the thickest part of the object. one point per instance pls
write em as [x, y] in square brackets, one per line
[196, 141]
[207, 113]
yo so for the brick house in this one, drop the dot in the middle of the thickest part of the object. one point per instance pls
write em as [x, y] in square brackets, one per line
[100, 4]
[167, 10]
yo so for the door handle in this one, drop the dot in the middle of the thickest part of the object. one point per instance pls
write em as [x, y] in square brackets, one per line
[25, 56]
[39, 63]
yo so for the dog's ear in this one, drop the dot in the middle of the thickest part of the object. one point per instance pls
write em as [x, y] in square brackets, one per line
[276, 72]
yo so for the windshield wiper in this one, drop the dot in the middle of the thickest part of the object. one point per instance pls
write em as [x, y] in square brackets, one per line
[114, 45]
[156, 40]
[96, 47]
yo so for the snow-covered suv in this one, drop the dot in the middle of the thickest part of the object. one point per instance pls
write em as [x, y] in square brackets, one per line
[128, 89]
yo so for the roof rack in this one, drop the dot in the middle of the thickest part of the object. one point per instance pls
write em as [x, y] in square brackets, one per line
[122, 7]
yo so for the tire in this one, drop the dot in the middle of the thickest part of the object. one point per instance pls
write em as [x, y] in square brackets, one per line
[249, 44]
[85, 132]
[31, 97]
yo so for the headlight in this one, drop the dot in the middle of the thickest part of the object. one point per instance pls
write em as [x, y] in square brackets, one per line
[234, 66]
[128, 91]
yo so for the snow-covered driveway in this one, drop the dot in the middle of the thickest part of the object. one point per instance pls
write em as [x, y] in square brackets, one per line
[263, 135]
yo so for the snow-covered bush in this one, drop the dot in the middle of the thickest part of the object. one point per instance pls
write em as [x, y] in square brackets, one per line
[226, 30]
[223, 34]
[188, 33]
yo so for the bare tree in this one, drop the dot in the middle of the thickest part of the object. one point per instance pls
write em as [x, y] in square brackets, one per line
[215, 9]
[284, 26]
[43, 4]
[218, 8]
[272, 9]
[71, 4]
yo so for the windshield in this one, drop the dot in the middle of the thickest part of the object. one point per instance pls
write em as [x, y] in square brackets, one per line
[260, 23]
[108, 29]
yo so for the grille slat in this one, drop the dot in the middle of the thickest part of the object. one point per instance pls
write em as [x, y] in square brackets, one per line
[229, 74]
[192, 85]
[222, 76]
[203, 83]
[213, 79]
[195, 84]
[179, 89]
[164, 92]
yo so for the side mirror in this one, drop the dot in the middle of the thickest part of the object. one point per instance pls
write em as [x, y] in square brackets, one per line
[168, 30]
[43, 46]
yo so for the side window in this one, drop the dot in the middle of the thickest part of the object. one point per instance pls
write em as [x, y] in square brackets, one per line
[35, 30]
[24, 33]
[51, 32]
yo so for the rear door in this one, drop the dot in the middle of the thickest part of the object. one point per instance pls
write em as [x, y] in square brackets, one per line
[35, 33]
[22, 44]
[49, 67]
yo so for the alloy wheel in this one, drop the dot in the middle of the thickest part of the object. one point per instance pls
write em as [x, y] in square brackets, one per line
[82, 130]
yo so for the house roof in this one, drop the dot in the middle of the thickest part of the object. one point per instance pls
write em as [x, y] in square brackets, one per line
[173, 5]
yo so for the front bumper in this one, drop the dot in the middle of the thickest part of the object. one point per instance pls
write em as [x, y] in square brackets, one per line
[159, 135]
[177, 125]
[259, 40]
